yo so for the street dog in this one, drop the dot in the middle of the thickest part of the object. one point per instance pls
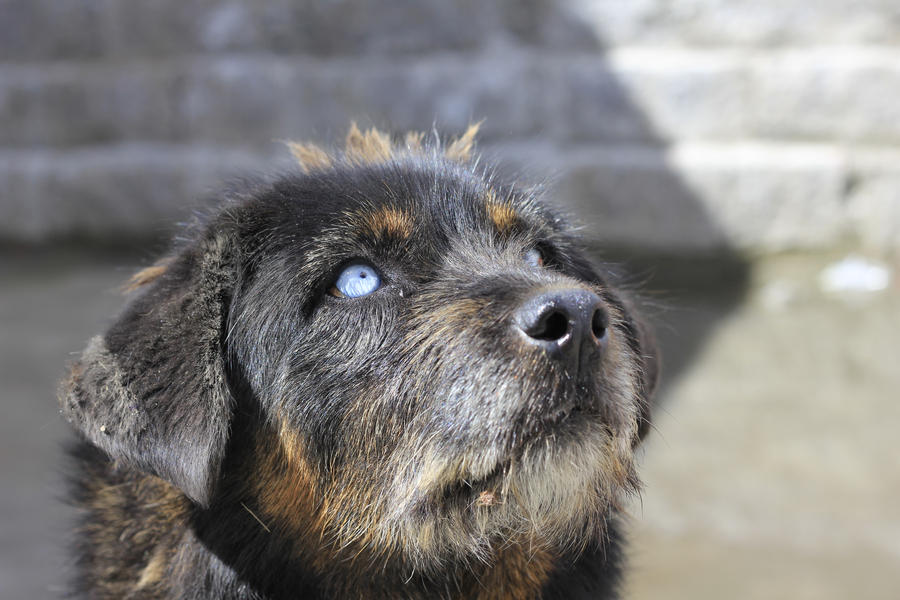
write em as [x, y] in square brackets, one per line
[386, 375]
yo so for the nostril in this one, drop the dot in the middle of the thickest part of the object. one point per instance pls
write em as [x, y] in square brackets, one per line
[551, 327]
[599, 323]
[566, 323]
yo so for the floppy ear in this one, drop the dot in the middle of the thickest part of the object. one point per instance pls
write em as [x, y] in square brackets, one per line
[152, 391]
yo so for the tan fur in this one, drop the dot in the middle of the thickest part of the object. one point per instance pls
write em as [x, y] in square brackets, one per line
[309, 156]
[388, 222]
[370, 147]
[141, 514]
[502, 214]
[155, 569]
[145, 276]
[373, 147]
[413, 141]
[291, 502]
[461, 148]
[286, 484]
[519, 572]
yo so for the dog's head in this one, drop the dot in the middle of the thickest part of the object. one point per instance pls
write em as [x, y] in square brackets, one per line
[426, 359]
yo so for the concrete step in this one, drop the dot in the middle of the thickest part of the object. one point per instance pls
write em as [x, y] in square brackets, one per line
[49, 29]
[753, 196]
[629, 95]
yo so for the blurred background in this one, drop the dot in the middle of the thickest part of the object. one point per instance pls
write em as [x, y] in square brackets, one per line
[739, 158]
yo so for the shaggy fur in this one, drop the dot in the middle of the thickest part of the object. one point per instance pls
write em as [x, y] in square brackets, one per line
[247, 432]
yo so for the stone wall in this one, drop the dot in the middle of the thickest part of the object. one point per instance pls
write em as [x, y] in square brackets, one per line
[680, 125]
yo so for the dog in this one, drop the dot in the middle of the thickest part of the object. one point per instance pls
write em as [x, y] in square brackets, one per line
[386, 375]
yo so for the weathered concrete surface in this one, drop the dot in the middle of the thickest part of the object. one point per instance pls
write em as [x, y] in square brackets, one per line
[48, 309]
[97, 28]
[773, 472]
[760, 117]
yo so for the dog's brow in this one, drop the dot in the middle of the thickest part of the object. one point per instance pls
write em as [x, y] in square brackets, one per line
[387, 221]
[501, 212]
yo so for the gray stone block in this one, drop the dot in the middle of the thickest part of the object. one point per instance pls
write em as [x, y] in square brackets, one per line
[77, 103]
[840, 94]
[253, 100]
[114, 192]
[360, 28]
[733, 22]
[689, 198]
[49, 29]
[632, 96]
[637, 96]
[698, 198]
[873, 199]
[41, 29]
[248, 99]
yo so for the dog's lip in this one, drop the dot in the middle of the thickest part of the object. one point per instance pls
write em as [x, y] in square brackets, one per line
[553, 422]
[553, 425]
[562, 419]
[560, 413]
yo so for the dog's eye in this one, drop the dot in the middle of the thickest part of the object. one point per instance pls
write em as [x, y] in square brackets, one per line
[355, 281]
[534, 258]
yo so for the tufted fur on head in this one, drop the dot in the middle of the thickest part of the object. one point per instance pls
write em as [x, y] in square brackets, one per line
[376, 147]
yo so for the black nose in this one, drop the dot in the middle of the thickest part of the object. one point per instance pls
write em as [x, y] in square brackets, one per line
[567, 323]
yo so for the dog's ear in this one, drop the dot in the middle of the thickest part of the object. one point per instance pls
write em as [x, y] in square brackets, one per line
[152, 392]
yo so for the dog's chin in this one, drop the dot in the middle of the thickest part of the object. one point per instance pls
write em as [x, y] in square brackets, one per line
[555, 486]
[568, 455]
[563, 428]
[551, 476]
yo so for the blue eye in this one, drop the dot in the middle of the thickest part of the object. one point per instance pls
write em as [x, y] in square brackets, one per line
[534, 258]
[356, 281]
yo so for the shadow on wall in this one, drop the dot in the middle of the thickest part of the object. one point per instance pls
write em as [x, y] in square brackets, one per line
[115, 116]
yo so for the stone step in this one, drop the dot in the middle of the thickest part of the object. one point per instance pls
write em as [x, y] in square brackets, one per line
[631, 95]
[113, 193]
[752, 196]
[50, 29]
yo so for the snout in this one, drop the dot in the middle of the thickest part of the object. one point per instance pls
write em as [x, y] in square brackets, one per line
[570, 325]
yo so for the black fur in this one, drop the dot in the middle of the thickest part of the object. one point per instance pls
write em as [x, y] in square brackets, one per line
[264, 438]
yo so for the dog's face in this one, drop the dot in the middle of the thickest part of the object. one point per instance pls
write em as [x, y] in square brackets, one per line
[433, 362]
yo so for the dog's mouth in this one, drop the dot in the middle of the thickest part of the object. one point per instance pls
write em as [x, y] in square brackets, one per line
[558, 421]
[477, 492]
[549, 431]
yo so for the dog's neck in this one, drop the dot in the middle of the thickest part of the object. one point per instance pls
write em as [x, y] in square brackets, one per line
[266, 528]
[146, 540]
[513, 571]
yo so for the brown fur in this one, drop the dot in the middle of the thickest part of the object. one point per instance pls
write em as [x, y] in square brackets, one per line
[388, 221]
[373, 146]
[502, 214]
[309, 156]
[147, 516]
[145, 276]
[519, 573]
[460, 150]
